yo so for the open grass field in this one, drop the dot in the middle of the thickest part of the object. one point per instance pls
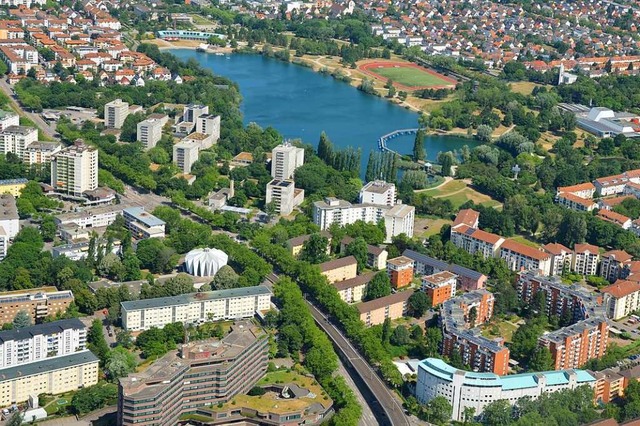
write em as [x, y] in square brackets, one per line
[503, 329]
[406, 75]
[459, 192]
[425, 226]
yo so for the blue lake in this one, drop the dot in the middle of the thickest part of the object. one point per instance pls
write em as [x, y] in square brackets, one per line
[301, 103]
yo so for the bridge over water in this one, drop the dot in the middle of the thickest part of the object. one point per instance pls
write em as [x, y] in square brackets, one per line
[382, 142]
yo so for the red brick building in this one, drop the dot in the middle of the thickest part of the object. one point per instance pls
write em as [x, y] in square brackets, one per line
[400, 270]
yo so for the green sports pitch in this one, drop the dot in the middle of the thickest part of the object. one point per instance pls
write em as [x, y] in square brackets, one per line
[410, 76]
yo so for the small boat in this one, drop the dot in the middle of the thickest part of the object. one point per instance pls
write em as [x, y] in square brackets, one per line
[202, 47]
[219, 54]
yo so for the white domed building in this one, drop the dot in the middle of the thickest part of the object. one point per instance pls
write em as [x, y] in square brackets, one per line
[205, 262]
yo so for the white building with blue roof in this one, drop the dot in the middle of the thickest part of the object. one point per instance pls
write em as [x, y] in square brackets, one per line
[465, 389]
[143, 224]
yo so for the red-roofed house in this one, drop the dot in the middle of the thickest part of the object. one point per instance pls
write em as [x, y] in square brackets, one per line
[582, 190]
[475, 240]
[560, 257]
[616, 218]
[622, 298]
[467, 217]
[520, 256]
[585, 259]
[574, 202]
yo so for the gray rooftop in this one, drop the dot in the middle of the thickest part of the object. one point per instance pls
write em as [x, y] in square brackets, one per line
[8, 209]
[184, 299]
[47, 365]
[143, 217]
[46, 329]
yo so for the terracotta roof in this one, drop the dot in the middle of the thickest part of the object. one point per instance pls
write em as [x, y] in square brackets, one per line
[578, 200]
[392, 299]
[467, 217]
[587, 186]
[612, 216]
[621, 288]
[581, 248]
[524, 250]
[556, 248]
[619, 255]
[486, 237]
[612, 202]
[338, 263]
[355, 282]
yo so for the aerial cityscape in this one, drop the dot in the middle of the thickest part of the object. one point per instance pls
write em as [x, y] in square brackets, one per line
[338, 212]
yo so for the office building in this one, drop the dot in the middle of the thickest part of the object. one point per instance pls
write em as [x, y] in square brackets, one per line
[142, 224]
[115, 112]
[49, 376]
[12, 186]
[463, 389]
[586, 258]
[284, 196]
[149, 132]
[622, 298]
[573, 346]
[285, 159]
[393, 306]
[439, 287]
[341, 269]
[9, 219]
[41, 152]
[15, 139]
[194, 308]
[378, 192]
[468, 279]
[209, 124]
[7, 119]
[42, 341]
[185, 154]
[354, 289]
[199, 374]
[400, 270]
[74, 169]
[38, 303]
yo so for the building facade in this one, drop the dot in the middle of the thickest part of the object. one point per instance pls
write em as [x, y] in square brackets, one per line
[573, 346]
[519, 256]
[400, 271]
[285, 159]
[341, 269]
[16, 139]
[115, 112]
[149, 132]
[439, 287]
[393, 307]
[143, 224]
[74, 169]
[12, 186]
[586, 258]
[354, 289]
[378, 192]
[185, 154]
[38, 302]
[284, 196]
[622, 298]
[41, 152]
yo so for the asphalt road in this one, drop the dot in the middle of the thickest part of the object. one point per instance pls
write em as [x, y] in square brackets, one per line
[47, 129]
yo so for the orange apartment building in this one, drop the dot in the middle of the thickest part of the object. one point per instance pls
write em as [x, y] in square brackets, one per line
[573, 346]
[609, 385]
[400, 270]
[480, 353]
[439, 287]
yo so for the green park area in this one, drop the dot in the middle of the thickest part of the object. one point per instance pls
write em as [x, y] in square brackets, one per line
[411, 76]
[500, 328]
[459, 192]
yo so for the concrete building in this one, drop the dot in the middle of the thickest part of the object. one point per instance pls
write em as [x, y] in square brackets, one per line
[520, 256]
[149, 132]
[7, 119]
[400, 270]
[439, 287]
[284, 196]
[4, 243]
[574, 202]
[560, 258]
[191, 112]
[200, 374]
[74, 169]
[42, 341]
[605, 123]
[285, 159]
[341, 269]
[51, 376]
[16, 139]
[622, 298]
[38, 302]
[463, 389]
[378, 192]
[195, 308]
[376, 256]
[209, 124]
[185, 154]
[79, 251]
[77, 224]
[354, 289]
[393, 307]
[586, 258]
[115, 112]
[474, 240]
[614, 264]
[143, 224]
[468, 279]
[203, 140]
[399, 220]
[609, 385]
[12, 186]
[573, 346]
[41, 152]
[9, 218]
[295, 245]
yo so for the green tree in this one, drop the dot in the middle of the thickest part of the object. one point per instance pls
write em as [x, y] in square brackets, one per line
[314, 250]
[155, 256]
[358, 249]
[473, 316]
[439, 410]
[400, 336]
[226, 277]
[497, 413]
[96, 341]
[120, 362]
[22, 320]
[446, 162]
[418, 146]
[124, 339]
[94, 397]
[541, 360]
[379, 286]
[15, 419]
[129, 130]
[386, 330]
[48, 228]
[418, 304]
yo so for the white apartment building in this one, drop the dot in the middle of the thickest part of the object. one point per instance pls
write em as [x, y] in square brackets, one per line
[115, 112]
[41, 341]
[378, 192]
[284, 196]
[561, 257]
[9, 219]
[75, 169]
[149, 132]
[4, 243]
[209, 124]
[519, 256]
[95, 217]
[41, 152]
[195, 308]
[622, 298]
[399, 219]
[143, 224]
[7, 119]
[585, 259]
[286, 158]
[15, 139]
[52, 376]
[465, 389]
[191, 112]
[185, 154]
[475, 240]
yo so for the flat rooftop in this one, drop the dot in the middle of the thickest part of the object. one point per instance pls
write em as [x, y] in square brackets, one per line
[47, 328]
[48, 365]
[146, 218]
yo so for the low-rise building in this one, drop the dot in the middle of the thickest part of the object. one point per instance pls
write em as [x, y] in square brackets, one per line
[339, 269]
[354, 290]
[400, 270]
[464, 389]
[614, 217]
[143, 224]
[94, 217]
[439, 287]
[12, 186]
[575, 202]
[393, 307]
[296, 244]
[474, 240]
[195, 308]
[376, 256]
[37, 302]
[622, 298]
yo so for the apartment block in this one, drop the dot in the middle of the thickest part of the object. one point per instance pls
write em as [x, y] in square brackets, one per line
[209, 124]
[459, 309]
[613, 265]
[42, 341]
[285, 159]
[573, 346]
[143, 224]
[519, 256]
[585, 259]
[622, 298]
[378, 192]
[467, 217]
[575, 202]
[115, 112]
[191, 112]
[400, 270]
[195, 308]
[16, 139]
[376, 256]
[284, 196]
[439, 287]
[38, 302]
[52, 376]
[341, 269]
[468, 279]
[12, 186]
[560, 257]
[480, 353]
[474, 241]
[583, 190]
[7, 119]
[74, 169]
[149, 132]
[9, 218]
[185, 154]
[354, 289]
[199, 374]
[41, 152]
[609, 385]
[399, 220]
[393, 307]
[296, 244]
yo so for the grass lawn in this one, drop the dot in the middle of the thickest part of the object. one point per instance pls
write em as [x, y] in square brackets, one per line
[505, 328]
[458, 192]
[523, 87]
[409, 76]
[200, 20]
[447, 188]
[426, 227]
[522, 240]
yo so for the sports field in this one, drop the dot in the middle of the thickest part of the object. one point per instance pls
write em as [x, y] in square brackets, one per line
[406, 75]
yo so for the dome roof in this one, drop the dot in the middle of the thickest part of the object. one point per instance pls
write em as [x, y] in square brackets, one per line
[205, 262]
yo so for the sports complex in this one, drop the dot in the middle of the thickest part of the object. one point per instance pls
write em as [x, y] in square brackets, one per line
[406, 75]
